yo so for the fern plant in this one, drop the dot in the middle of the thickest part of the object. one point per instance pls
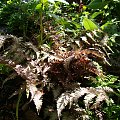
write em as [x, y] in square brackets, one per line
[67, 74]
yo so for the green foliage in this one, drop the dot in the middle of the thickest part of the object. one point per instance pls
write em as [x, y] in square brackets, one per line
[18, 16]
[109, 80]
[89, 25]
[112, 112]
[97, 4]
[4, 69]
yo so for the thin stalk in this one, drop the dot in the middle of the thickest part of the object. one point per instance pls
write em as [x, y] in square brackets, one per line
[41, 25]
[17, 106]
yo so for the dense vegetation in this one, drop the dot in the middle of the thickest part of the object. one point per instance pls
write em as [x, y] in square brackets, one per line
[59, 60]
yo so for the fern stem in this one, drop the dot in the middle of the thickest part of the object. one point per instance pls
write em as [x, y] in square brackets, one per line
[17, 105]
[41, 28]
[41, 25]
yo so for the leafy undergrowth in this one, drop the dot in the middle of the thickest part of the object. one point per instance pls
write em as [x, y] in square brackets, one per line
[64, 70]
[61, 81]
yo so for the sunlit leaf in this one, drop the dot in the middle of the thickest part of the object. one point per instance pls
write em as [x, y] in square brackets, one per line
[89, 93]
[9, 1]
[69, 98]
[38, 6]
[89, 25]
[44, 1]
[38, 100]
[36, 96]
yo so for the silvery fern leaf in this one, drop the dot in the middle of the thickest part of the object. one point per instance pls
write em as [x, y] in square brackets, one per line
[62, 102]
[88, 99]
[99, 93]
[106, 89]
[38, 100]
[101, 96]
[36, 96]
[69, 98]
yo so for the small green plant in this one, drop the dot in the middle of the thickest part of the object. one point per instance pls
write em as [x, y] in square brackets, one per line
[19, 18]
[41, 7]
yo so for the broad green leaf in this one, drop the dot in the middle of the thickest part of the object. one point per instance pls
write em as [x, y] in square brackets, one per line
[89, 25]
[9, 2]
[95, 14]
[106, 25]
[97, 4]
[41, 4]
[38, 6]
[77, 25]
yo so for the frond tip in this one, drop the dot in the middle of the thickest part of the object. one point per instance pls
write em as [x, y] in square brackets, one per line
[36, 96]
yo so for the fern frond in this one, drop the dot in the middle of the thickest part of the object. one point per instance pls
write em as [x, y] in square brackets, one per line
[58, 66]
[89, 93]
[36, 96]
[88, 99]
[69, 98]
